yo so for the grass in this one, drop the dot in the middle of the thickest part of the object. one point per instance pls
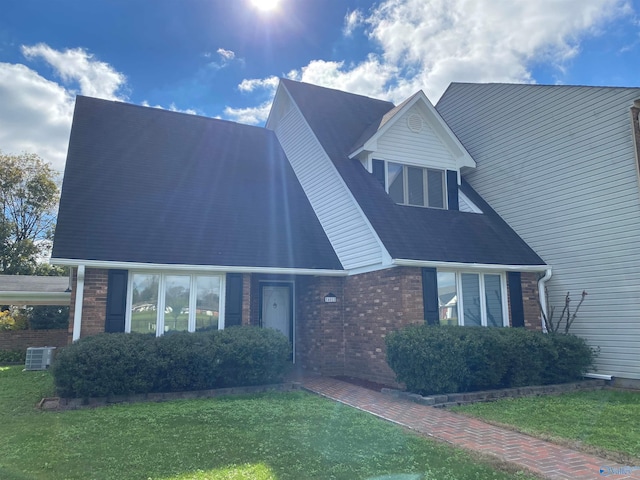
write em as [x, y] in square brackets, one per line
[276, 436]
[606, 422]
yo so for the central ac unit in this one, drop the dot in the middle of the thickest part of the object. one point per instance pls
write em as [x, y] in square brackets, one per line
[39, 358]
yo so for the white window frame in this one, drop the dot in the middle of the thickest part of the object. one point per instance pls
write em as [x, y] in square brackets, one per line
[482, 293]
[193, 294]
[425, 183]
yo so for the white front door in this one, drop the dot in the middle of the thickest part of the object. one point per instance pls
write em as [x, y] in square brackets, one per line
[276, 308]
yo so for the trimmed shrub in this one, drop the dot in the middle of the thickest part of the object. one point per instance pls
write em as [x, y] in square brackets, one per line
[106, 364]
[450, 359]
[128, 363]
[47, 317]
[13, 356]
[427, 360]
[250, 356]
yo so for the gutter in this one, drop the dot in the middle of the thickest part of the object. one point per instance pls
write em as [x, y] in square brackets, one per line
[35, 298]
[403, 262]
[196, 268]
[542, 295]
[598, 376]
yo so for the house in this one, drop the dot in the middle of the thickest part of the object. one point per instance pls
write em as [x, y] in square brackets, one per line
[344, 219]
[560, 166]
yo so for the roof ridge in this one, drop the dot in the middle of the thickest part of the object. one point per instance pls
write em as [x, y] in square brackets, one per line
[160, 110]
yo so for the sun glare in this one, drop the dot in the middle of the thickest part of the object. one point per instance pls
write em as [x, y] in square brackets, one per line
[265, 5]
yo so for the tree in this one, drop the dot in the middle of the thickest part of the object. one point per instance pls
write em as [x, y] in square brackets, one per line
[28, 202]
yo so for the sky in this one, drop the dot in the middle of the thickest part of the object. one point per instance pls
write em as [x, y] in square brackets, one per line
[223, 58]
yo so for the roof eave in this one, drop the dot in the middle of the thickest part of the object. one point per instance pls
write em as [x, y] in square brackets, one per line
[404, 262]
[35, 298]
[107, 264]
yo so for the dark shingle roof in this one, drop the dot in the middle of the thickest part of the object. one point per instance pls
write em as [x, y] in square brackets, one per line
[339, 120]
[147, 185]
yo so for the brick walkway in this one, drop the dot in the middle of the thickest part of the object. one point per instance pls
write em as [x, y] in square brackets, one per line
[544, 458]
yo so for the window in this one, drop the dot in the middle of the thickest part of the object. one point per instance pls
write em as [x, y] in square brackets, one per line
[161, 303]
[447, 298]
[422, 187]
[472, 299]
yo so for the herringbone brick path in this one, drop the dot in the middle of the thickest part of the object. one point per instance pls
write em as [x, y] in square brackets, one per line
[544, 458]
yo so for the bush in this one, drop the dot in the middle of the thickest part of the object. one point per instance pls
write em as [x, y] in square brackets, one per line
[47, 317]
[13, 356]
[443, 359]
[127, 363]
[105, 364]
[250, 356]
[12, 320]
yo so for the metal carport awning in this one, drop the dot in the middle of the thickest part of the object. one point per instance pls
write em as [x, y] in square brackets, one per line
[34, 290]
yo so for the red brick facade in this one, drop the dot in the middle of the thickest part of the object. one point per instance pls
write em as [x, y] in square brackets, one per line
[94, 302]
[532, 318]
[377, 303]
[346, 337]
[22, 339]
[320, 335]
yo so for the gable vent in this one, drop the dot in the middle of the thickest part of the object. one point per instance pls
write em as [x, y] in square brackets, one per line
[415, 122]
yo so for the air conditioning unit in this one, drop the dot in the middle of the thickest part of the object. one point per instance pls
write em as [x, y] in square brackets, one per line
[39, 358]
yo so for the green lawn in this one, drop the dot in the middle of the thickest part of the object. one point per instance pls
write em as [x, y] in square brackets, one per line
[605, 421]
[269, 436]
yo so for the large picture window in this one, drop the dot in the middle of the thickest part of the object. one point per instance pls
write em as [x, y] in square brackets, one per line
[472, 299]
[161, 303]
[421, 187]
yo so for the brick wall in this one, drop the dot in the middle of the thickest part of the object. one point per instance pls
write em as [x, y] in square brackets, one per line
[246, 299]
[320, 325]
[377, 303]
[22, 339]
[94, 304]
[532, 319]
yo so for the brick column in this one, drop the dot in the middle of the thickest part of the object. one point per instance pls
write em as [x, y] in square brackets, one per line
[94, 302]
[377, 303]
[532, 318]
[319, 325]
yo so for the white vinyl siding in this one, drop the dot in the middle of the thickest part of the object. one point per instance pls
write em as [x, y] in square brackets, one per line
[558, 164]
[423, 148]
[344, 223]
[466, 205]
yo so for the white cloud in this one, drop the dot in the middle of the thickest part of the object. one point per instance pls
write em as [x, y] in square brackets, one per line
[250, 115]
[370, 77]
[95, 78]
[35, 115]
[250, 85]
[426, 45]
[485, 40]
[226, 54]
[172, 108]
[36, 112]
[352, 20]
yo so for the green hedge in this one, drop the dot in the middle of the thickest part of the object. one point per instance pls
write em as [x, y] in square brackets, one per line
[118, 364]
[449, 359]
[13, 356]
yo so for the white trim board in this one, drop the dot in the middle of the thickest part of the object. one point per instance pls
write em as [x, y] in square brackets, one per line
[196, 268]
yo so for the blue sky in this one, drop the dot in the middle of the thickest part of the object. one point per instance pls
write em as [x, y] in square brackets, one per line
[222, 58]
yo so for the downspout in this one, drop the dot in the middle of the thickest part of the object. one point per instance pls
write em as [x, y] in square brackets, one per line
[542, 295]
[77, 312]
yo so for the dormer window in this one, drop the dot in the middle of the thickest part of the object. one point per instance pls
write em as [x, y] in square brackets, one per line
[409, 185]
